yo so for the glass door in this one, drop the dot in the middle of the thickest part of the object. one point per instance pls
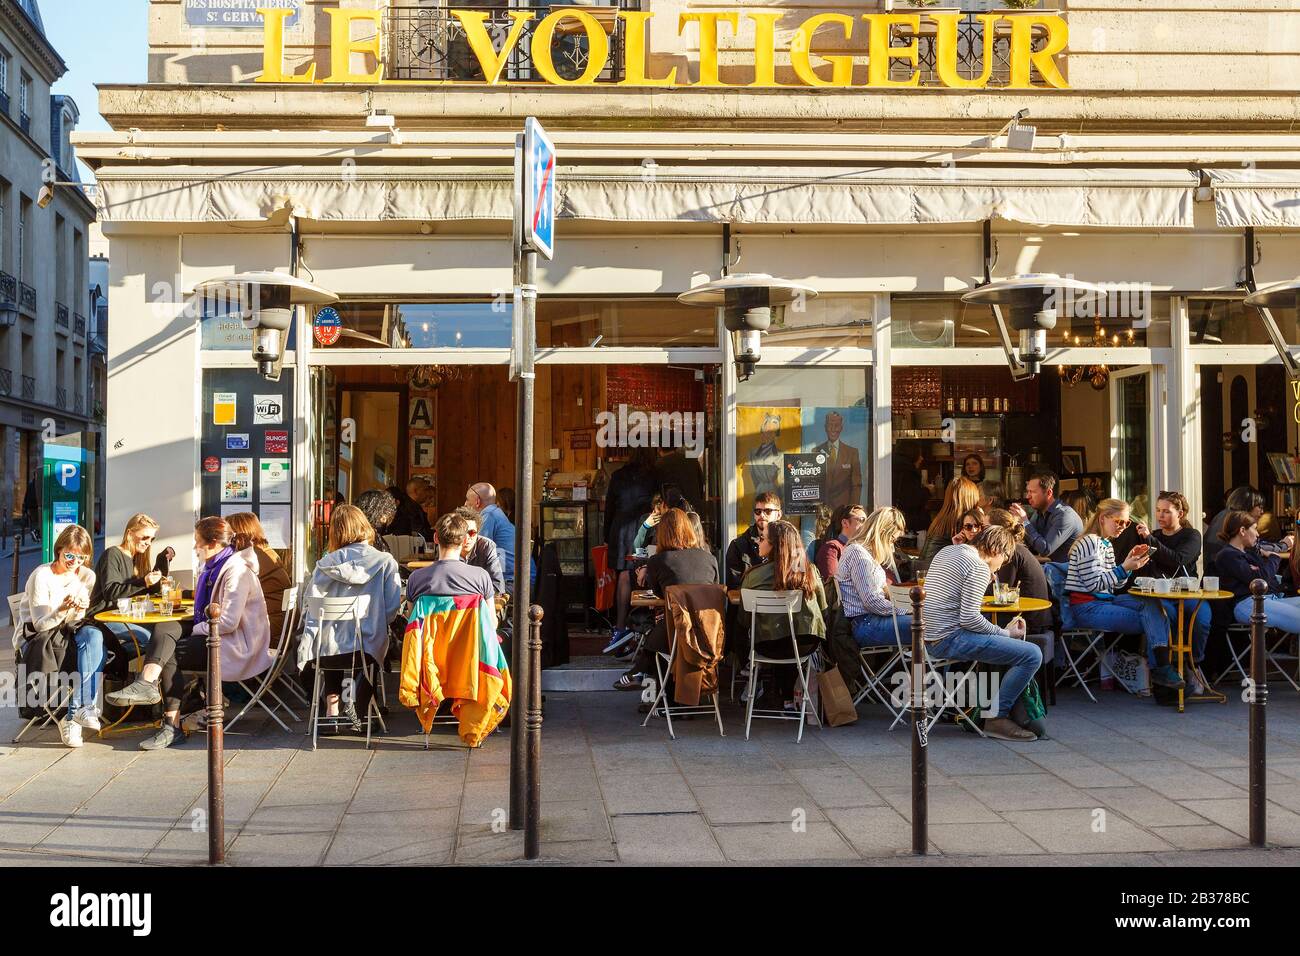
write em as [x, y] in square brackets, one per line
[1133, 421]
[324, 459]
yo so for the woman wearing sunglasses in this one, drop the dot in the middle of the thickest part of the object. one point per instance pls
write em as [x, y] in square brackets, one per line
[57, 598]
[125, 571]
[1096, 586]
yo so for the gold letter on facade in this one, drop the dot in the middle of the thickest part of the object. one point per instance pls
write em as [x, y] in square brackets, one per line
[801, 51]
[634, 52]
[946, 54]
[597, 48]
[273, 51]
[343, 46]
[765, 47]
[881, 54]
[708, 41]
[489, 60]
[1023, 55]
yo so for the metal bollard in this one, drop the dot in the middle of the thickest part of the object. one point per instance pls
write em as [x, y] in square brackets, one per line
[1258, 698]
[533, 741]
[920, 784]
[216, 744]
[18, 544]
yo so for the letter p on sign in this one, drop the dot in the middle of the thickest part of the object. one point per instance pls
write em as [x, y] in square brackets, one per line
[69, 476]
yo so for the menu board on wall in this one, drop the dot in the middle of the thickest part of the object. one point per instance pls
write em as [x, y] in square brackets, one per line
[254, 450]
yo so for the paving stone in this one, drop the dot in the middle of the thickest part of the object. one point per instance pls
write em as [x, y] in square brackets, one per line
[1282, 825]
[407, 792]
[982, 839]
[1025, 791]
[393, 838]
[873, 831]
[1079, 771]
[1180, 783]
[764, 804]
[674, 838]
[1072, 831]
[279, 849]
[837, 787]
[306, 818]
[781, 843]
[1203, 837]
[647, 793]
[947, 804]
[1145, 807]
[640, 757]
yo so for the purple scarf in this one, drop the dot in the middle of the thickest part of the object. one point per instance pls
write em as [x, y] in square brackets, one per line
[207, 582]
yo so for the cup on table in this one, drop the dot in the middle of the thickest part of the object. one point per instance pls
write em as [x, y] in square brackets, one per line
[1186, 584]
[165, 606]
[1210, 583]
[1145, 584]
[124, 607]
[1163, 586]
[650, 550]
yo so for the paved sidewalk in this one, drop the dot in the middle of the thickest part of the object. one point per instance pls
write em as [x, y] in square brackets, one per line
[1122, 782]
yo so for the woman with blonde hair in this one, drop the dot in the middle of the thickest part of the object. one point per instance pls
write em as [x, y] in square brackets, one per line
[863, 583]
[271, 573]
[57, 599]
[1096, 586]
[125, 571]
[959, 497]
[353, 567]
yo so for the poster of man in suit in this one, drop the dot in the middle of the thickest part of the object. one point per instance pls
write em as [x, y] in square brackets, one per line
[845, 432]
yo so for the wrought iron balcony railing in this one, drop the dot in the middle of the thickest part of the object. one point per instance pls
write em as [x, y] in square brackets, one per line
[8, 289]
[970, 53]
[6, 381]
[78, 402]
[25, 123]
[26, 299]
[4, 102]
[79, 324]
[29, 388]
[60, 315]
[61, 397]
[428, 43]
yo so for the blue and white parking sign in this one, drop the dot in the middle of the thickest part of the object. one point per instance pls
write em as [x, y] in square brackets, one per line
[68, 475]
[539, 189]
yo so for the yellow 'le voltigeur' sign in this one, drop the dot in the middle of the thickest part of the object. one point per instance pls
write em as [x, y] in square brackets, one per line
[804, 61]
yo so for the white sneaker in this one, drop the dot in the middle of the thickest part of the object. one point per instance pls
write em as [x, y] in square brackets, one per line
[71, 733]
[85, 717]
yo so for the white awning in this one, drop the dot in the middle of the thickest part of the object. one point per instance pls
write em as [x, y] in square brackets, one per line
[1256, 197]
[888, 196]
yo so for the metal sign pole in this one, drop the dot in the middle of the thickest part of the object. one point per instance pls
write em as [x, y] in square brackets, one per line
[920, 782]
[1258, 758]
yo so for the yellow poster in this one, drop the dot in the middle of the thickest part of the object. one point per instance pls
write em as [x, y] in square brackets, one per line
[223, 408]
[763, 436]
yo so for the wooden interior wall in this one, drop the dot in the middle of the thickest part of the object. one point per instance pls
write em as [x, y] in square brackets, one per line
[476, 433]
[568, 400]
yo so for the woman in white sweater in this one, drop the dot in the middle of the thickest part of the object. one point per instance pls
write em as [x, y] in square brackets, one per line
[57, 597]
[1096, 586]
[863, 584]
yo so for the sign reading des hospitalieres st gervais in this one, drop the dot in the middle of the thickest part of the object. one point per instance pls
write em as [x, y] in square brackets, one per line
[1036, 40]
[238, 14]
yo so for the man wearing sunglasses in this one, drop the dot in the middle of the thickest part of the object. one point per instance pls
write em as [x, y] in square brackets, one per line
[450, 575]
[742, 554]
[479, 550]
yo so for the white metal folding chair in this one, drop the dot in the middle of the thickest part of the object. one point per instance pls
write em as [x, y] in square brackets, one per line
[785, 603]
[329, 611]
[279, 660]
[1273, 654]
[662, 703]
[52, 704]
[874, 674]
[901, 597]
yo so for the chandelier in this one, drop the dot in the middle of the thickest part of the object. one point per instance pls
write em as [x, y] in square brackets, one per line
[426, 377]
[1098, 376]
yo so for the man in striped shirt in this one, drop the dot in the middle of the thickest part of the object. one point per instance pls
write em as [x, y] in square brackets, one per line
[955, 629]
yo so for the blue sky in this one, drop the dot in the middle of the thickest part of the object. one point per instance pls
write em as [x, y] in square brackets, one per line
[102, 41]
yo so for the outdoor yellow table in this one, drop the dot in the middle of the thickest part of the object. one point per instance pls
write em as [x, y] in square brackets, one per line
[1021, 606]
[416, 565]
[1180, 644]
[182, 610]
[650, 599]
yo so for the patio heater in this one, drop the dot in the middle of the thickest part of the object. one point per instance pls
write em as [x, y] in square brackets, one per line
[1284, 296]
[1031, 304]
[750, 301]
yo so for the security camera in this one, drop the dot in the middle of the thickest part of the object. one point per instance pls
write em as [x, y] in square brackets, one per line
[749, 302]
[264, 303]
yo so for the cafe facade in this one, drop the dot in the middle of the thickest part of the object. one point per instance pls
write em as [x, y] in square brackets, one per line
[887, 158]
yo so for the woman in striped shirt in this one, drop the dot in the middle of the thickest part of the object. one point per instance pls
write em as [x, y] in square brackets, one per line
[1096, 587]
[863, 584]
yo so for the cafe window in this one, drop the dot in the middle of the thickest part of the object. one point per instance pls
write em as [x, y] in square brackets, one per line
[644, 322]
[784, 414]
[1124, 318]
[1231, 322]
[829, 321]
[220, 329]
